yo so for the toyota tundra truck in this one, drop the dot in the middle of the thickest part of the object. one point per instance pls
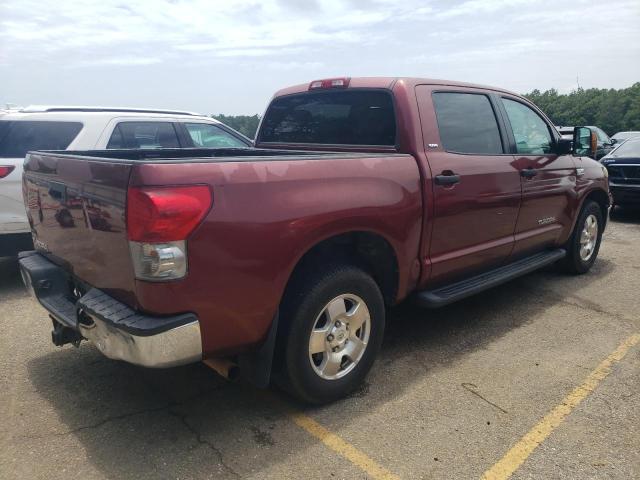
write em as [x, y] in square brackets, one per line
[278, 263]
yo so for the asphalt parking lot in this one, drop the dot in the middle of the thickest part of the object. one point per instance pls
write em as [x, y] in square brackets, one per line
[453, 392]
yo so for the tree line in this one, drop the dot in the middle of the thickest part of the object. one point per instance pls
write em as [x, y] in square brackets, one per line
[610, 109]
[245, 124]
[613, 110]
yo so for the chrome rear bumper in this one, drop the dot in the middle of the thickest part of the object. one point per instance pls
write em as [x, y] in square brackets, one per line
[118, 331]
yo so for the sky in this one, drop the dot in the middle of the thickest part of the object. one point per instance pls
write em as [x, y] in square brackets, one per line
[230, 56]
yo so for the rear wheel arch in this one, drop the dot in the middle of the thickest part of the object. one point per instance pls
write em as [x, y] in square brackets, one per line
[367, 250]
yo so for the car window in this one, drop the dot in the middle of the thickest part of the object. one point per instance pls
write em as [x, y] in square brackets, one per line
[19, 137]
[144, 135]
[211, 136]
[530, 131]
[346, 117]
[467, 123]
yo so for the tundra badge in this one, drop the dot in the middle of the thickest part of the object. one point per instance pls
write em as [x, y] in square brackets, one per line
[546, 220]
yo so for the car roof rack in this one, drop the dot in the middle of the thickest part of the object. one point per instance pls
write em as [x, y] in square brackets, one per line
[45, 108]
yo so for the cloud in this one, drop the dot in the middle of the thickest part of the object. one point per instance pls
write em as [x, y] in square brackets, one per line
[105, 51]
[212, 29]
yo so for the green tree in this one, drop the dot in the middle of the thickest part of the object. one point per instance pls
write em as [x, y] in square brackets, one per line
[610, 109]
[245, 124]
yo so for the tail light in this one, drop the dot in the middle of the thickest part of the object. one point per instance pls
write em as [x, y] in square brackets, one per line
[159, 221]
[6, 170]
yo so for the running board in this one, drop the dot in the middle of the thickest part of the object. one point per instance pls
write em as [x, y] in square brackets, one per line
[470, 286]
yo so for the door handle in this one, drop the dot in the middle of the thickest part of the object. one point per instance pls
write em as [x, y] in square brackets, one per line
[529, 172]
[448, 178]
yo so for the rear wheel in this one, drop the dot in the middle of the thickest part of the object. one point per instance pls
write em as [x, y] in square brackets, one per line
[584, 244]
[334, 323]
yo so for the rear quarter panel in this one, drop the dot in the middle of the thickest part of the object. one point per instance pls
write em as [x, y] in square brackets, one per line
[265, 216]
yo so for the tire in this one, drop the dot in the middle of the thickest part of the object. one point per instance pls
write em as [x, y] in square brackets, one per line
[326, 307]
[579, 258]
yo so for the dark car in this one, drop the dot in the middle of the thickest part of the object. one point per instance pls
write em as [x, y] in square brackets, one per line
[623, 165]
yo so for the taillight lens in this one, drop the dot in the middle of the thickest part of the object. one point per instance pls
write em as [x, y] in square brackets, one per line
[159, 220]
[165, 214]
[6, 170]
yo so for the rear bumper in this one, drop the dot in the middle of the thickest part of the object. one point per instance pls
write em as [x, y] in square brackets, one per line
[118, 331]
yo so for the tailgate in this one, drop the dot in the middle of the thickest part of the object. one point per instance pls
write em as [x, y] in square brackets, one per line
[76, 208]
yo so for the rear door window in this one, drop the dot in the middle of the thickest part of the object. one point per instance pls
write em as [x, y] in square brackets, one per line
[206, 135]
[467, 123]
[346, 117]
[19, 137]
[531, 132]
[144, 135]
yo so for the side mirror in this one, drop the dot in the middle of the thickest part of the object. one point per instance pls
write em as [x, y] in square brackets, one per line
[564, 146]
[585, 142]
[614, 141]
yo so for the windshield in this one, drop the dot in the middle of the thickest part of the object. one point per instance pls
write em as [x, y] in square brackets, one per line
[626, 135]
[19, 137]
[630, 148]
[346, 117]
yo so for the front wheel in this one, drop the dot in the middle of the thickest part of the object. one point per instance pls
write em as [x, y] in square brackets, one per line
[334, 323]
[584, 244]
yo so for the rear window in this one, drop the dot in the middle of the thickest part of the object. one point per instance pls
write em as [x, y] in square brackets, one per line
[347, 117]
[19, 137]
[467, 123]
[144, 135]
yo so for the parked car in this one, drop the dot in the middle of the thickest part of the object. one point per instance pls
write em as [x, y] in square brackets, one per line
[60, 128]
[623, 165]
[605, 143]
[623, 136]
[278, 262]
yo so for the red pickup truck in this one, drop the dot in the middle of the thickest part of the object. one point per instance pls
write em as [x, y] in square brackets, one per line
[279, 262]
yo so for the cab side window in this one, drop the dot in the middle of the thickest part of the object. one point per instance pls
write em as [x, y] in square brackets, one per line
[144, 135]
[467, 123]
[530, 131]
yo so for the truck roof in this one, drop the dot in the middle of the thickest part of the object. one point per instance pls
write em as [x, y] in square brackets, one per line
[98, 115]
[388, 83]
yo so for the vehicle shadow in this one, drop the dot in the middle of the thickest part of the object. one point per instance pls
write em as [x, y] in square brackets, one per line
[10, 281]
[625, 214]
[188, 422]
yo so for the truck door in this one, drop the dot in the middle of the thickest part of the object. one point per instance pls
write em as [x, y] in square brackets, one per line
[476, 188]
[548, 179]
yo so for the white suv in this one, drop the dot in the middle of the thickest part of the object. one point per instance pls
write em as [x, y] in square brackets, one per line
[90, 128]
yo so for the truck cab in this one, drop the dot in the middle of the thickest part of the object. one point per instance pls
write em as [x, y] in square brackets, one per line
[491, 162]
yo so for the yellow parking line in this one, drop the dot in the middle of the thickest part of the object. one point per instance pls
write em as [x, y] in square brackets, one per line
[516, 456]
[338, 445]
